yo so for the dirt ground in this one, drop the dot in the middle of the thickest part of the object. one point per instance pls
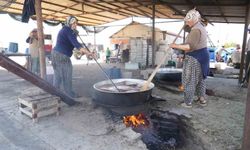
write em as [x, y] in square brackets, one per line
[218, 126]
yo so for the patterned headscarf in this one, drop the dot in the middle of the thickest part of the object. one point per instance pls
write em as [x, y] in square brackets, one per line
[70, 20]
[192, 15]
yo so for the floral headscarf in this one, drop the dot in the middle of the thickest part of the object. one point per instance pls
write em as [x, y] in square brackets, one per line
[70, 20]
[192, 15]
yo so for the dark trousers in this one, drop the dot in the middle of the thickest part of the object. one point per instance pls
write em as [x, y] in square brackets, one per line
[107, 59]
[63, 72]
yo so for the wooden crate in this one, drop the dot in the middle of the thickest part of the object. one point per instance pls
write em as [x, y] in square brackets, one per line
[39, 104]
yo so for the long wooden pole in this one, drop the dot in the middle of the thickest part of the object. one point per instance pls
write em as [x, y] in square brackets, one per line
[39, 21]
[145, 86]
[20, 71]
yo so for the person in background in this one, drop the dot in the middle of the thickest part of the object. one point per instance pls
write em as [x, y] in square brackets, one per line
[34, 51]
[196, 61]
[236, 57]
[108, 54]
[125, 55]
[220, 58]
[94, 53]
[61, 53]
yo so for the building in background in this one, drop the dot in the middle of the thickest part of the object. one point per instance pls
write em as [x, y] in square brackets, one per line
[135, 40]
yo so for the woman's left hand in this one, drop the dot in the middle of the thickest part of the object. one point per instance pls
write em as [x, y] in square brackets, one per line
[172, 45]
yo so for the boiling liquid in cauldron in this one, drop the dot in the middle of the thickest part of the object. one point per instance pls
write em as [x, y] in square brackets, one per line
[124, 86]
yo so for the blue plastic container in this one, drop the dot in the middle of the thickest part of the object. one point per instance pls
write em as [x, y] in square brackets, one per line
[212, 54]
[114, 73]
[13, 47]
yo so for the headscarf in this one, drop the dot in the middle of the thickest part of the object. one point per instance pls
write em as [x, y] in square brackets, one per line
[34, 35]
[34, 30]
[192, 15]
[70, 20]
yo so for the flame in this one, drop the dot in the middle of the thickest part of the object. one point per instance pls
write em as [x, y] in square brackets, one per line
[135, 120]
[181, 88]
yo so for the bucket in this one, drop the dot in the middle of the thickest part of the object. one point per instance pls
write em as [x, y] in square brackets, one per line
[114, 73]
[13, 47]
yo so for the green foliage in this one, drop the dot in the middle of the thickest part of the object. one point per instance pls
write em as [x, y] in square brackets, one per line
[230, 44]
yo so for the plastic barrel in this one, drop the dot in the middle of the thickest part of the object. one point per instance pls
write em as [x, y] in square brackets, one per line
[212, 54]
[114, 73]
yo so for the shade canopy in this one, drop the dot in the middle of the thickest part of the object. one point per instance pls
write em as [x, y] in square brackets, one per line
[98, 12]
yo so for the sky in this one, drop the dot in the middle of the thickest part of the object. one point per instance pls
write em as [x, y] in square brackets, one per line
[15, 31]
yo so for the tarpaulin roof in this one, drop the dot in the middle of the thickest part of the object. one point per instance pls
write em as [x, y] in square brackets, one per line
[98, 12]
[91, 12]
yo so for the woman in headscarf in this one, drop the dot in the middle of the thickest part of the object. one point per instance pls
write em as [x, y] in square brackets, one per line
[63, 50]
[196, 61]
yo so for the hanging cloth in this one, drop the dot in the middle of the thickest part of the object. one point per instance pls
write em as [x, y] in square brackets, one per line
[28, 10]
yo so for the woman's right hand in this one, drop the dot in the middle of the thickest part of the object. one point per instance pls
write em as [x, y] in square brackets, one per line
[88, 54]
[91, 55]
[172, 45]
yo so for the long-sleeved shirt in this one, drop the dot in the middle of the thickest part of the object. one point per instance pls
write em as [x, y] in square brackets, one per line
[33, 47]
[66, 41]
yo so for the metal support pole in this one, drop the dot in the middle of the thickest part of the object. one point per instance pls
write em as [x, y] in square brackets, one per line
[244, 44]
[246, 131]
[153, 32]
[94, 38]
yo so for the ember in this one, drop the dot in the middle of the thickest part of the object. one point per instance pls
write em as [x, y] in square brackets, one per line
[135, 120]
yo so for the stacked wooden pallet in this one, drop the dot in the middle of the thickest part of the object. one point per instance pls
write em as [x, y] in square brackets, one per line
[39, 104]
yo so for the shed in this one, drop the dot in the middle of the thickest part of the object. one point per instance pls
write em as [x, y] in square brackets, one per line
[135, 43]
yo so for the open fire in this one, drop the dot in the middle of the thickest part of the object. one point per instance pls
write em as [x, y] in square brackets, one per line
[181, 88]
[159, 130]
[135, 120]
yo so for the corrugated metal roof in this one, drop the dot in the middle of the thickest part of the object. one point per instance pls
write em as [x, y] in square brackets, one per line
[220, 11]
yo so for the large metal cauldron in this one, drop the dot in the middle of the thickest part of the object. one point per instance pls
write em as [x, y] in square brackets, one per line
[129, 102]
[169, 74]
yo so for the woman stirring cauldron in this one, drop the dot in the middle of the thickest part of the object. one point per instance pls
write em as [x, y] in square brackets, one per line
[196, 61]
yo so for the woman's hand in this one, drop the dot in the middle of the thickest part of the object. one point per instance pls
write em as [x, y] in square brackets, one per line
[88, 54]
[185, 47]
[92, 55]
[173, 45]
[31, 35]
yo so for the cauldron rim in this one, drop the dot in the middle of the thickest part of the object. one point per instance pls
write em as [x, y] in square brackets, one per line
[170, 70]
[139, 81]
